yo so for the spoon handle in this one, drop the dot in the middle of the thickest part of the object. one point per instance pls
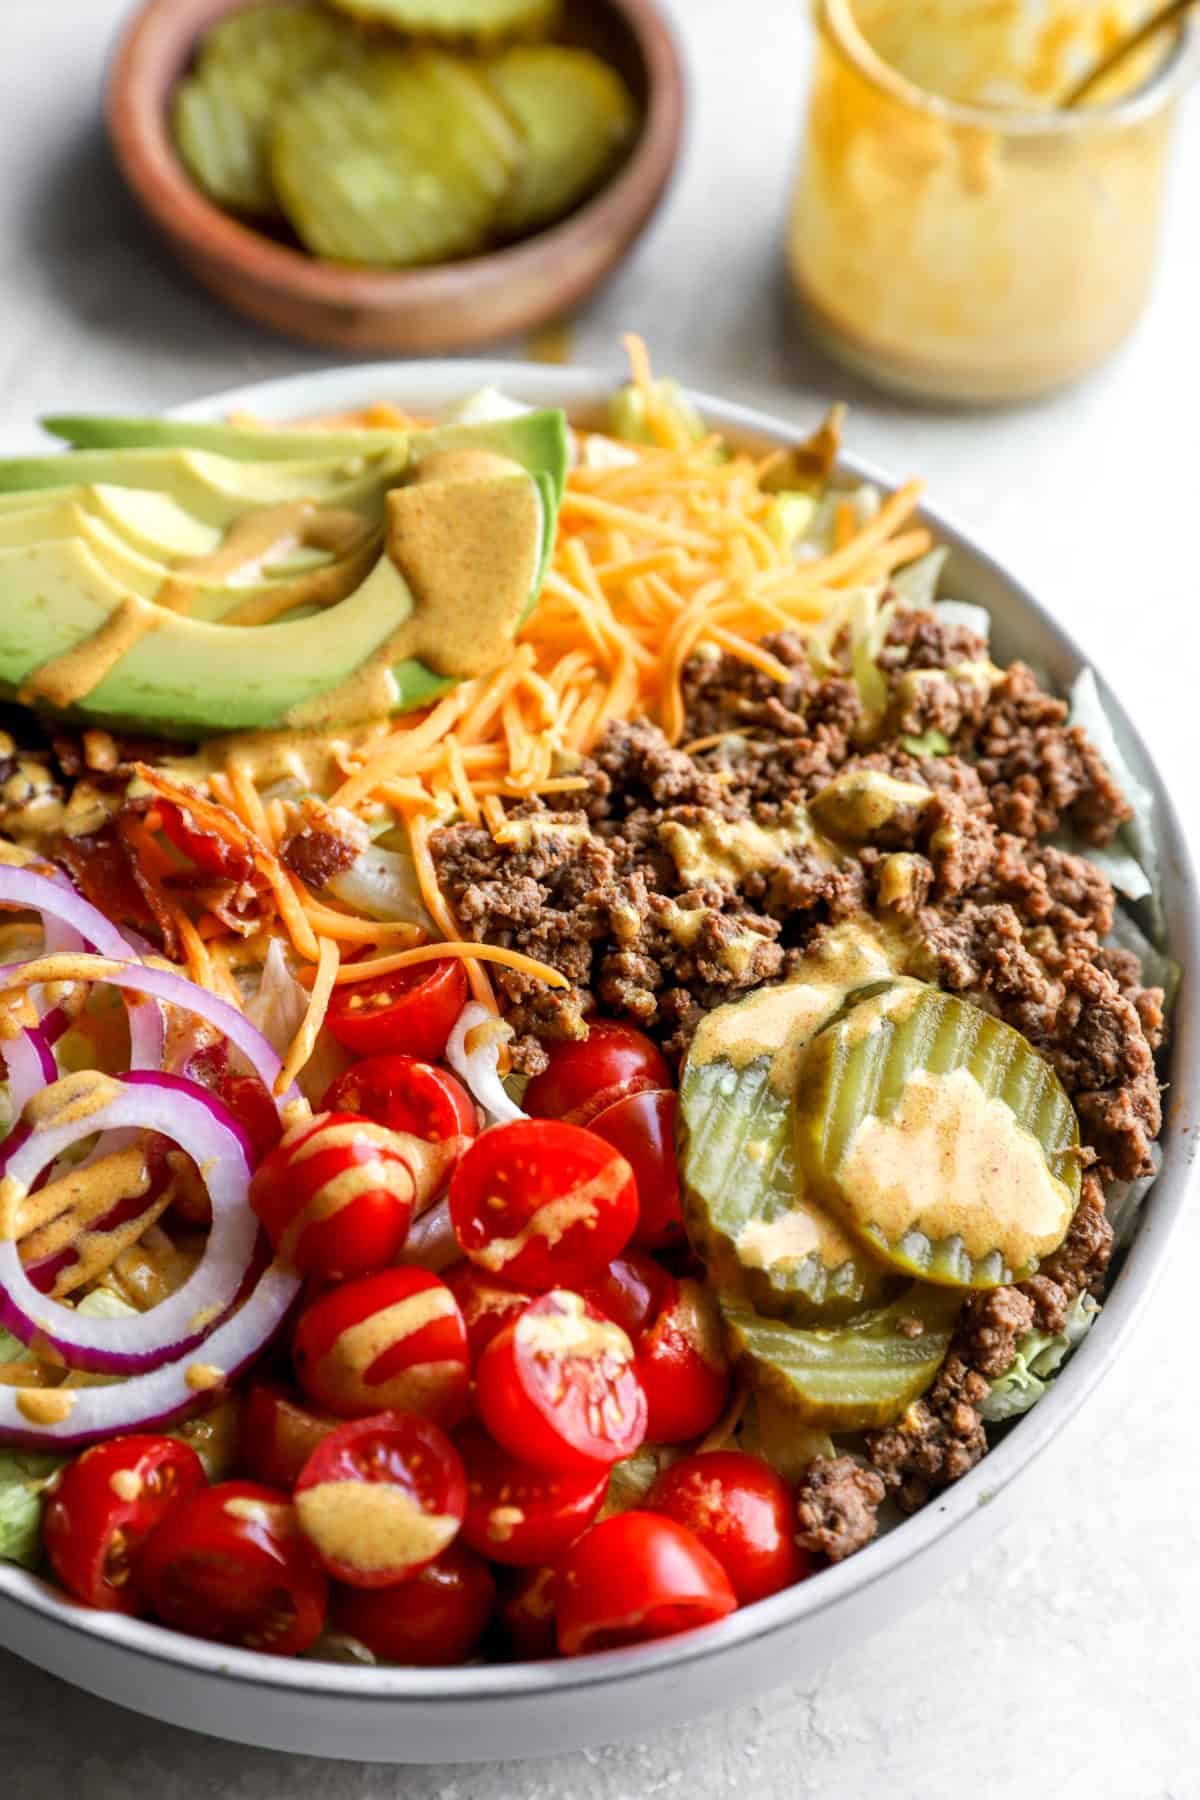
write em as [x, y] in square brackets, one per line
[1158, 21]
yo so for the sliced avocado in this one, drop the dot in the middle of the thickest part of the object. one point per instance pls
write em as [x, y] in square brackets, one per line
[215, 489]
[244, 443]
[77, 634]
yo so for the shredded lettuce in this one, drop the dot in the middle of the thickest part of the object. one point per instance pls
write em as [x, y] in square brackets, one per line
[599, 452]
[1123, 1200]
[630, 418]
[1131, 864]
[965, 613]
[773, 1432]
[1039, 1355]
[278, 1009]
[486, 406]
[631, 1479]
[24, 1478]
[789, 519]
[930, 743]
[916, 585]
[382, 884]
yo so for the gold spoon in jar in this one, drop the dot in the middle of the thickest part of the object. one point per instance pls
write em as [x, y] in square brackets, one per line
[1150, 28]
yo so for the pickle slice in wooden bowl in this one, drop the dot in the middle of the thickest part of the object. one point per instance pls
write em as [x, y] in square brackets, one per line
[578, 118]
[402, 159]
[480, 21]
[222, 113]
[854, 1377]
[938, 1136]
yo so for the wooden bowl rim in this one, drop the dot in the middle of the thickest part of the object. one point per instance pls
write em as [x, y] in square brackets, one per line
[137, 122]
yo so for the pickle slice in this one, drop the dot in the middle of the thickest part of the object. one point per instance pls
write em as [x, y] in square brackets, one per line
[222, 113]
[480, 20]
[938, 1136]
[577, 116]
[854, 1378]
[405, 159]
[744, 1212]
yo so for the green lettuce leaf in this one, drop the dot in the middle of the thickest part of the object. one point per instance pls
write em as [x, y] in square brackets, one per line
[1039, 1355]
[24, 1477]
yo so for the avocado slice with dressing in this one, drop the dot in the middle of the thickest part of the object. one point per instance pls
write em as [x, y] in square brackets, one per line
[469, 513]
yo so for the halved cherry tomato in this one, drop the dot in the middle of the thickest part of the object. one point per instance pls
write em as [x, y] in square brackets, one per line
[432, 1621]
[405, 1094]
[629, 1291]
[642, 1128]
[252, 1107]
[682, 1365]
[380, 1498]
[526, 1613]
[633, 1577]
[742, 1511]
[411, 1010]
[520, 1515]
[278, 1434]
[542, 1204]
[486, 1303]
[107, 1503]
[336, 1196]
[585, 1076]
[394, 1341]
[558, 1388]
[231, 1563]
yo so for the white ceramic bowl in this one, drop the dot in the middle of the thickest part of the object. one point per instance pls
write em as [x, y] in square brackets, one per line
[416, 1715]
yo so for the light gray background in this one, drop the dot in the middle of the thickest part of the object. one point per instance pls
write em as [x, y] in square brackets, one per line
[1065, 1663]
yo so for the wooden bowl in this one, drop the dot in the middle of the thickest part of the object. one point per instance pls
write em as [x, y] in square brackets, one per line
[443, 307]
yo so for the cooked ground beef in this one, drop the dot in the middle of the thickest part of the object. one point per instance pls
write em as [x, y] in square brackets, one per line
[939, 1438]
[836, 1503]
[643, 900]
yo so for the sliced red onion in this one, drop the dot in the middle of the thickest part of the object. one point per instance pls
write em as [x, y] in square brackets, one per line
[431, 1243]
[198, 1122]
[165, 1393]
[175, 990]
[31, 1067]
[480, 1067]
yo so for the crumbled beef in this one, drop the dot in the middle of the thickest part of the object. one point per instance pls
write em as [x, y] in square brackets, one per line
[1040, 772]
[993, 1323]
[938, 1439]
[1079, 1264]
[923, 640]
[836, 1502]
[321, 842]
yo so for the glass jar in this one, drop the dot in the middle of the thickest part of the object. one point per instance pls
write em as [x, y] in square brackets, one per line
[966, 253]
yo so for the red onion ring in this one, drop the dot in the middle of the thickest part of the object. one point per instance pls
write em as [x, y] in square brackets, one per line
[165, 1393]
[173, 990]
[202, 1127]
[31, 1067]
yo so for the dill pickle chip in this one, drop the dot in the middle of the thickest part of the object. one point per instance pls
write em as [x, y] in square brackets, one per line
[482, 21]
[757, 1229]
[577, 116]
[222, 113]
[938, 1136]
[853, 1377]
[404, 159]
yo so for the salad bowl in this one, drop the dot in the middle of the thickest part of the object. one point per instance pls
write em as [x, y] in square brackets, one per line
[410, 1715]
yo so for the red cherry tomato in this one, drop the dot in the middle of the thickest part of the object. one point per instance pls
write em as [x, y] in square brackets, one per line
[411, 1010]
[336, 1196]
[629, 1291]
[394, 1341]
[642, 1128]
[485, 1302]
[558, 1388]
[682, 1366]
[405, 1094]
[742, 1511]
[230, 1563]
[584, 1077]
[278, 1434]
[520, 1515]
[380, 1498]
[252, 1107]
[633, 1577]
[542, 1204]
[106, 1504]
[526, 1613]
[433, 1621]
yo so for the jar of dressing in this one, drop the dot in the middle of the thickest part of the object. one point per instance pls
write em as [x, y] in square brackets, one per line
[981, 245]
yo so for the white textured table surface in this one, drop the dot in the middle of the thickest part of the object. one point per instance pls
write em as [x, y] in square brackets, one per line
[1066, 1662]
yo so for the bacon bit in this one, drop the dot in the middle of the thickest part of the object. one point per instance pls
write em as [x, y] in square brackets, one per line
[101, 865]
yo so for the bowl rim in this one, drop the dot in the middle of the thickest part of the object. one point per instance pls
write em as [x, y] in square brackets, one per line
[423, 384]
[139, 132]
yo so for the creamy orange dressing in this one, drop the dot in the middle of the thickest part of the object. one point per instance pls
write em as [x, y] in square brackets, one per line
[790, 1239]
[45, 1406]
[201, 1377]
[953, 1162]
[371, 1524]
[571, 1331]
[65, 680]
[126, 1484]
[724, 850]
[259, 537]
